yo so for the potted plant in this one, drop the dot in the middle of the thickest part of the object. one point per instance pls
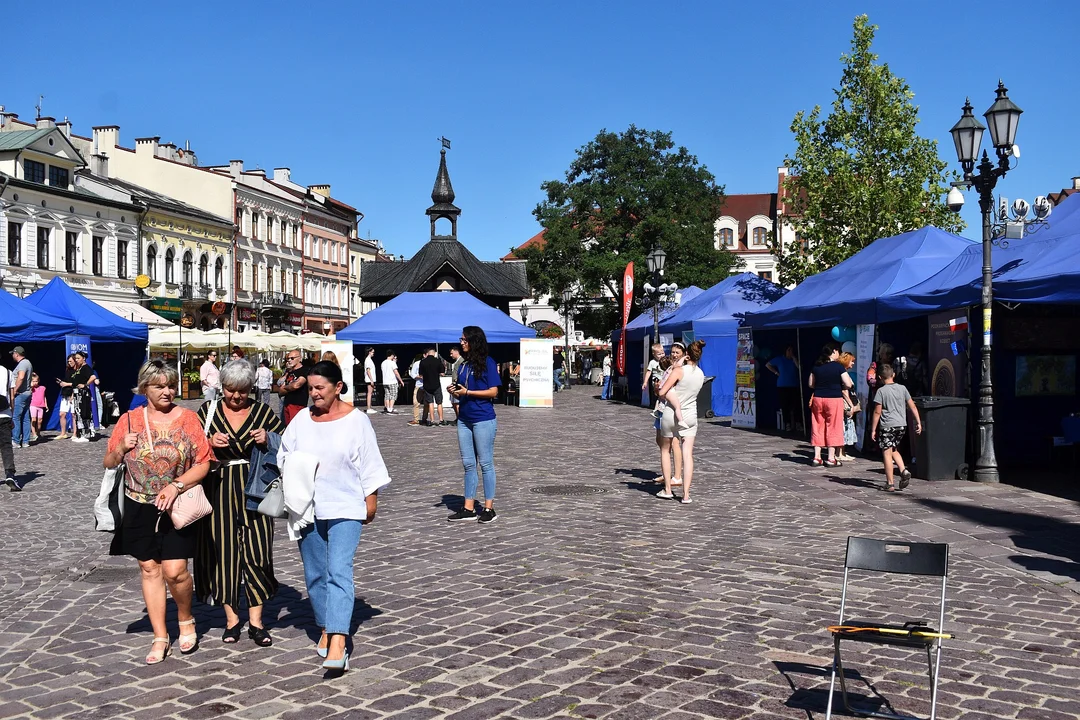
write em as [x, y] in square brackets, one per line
[191, 385]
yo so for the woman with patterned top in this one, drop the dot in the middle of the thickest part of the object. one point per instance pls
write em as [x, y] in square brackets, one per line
[235, 550]
[165, 451]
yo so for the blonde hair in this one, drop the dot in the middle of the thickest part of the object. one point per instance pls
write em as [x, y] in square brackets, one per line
[154, 369]
[846, 359]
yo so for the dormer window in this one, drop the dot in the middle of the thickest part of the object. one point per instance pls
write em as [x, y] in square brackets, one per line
[33, 171]
[727, 237]
[759, 236]
[58, 176]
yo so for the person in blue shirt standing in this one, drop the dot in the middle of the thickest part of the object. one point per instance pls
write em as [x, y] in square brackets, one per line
[475, 386]
[786, 369]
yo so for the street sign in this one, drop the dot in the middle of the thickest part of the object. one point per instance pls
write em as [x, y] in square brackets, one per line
[168, 308]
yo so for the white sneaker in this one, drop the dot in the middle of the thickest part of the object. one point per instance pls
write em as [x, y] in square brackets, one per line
[82, 439]
[676, 481]
[372, 412]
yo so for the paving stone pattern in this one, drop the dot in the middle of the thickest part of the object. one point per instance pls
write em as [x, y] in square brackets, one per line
[610, 604]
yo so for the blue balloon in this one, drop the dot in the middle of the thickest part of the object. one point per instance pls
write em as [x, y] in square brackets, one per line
[836, 333]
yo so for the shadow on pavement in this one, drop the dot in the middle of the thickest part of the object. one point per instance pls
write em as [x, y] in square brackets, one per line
[802, 458]
[27, 477]
[853, 482]
[815, 700]
[1038, 533]
[639, 473]
[451, 502]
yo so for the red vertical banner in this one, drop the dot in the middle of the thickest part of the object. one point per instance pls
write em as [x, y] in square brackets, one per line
[627, 298]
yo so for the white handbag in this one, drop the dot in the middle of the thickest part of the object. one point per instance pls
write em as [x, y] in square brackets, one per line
[109, 505]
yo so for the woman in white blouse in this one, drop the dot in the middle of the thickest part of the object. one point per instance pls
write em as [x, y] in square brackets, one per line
[350, 470]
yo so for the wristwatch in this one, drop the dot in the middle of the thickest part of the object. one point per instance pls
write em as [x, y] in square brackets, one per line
[178, 485]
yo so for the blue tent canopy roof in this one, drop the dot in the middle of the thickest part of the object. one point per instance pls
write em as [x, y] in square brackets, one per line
[433, 317]
[849, 293]
[642, 324]
[730, 299]
[22, 322]
[83, 316]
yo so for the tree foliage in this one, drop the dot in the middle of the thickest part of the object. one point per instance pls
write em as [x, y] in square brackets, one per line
[862, 172]
[624, 194]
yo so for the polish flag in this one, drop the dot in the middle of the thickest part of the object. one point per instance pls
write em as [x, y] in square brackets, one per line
[958, 324]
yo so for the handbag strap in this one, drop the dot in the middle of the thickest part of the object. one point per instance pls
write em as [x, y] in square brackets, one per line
[149, 439]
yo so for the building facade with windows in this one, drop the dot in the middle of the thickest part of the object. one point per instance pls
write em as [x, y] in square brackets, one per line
[361, 251]
[50, 226]
[745, 228]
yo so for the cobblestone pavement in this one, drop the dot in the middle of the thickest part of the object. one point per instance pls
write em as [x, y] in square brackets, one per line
[610, 604]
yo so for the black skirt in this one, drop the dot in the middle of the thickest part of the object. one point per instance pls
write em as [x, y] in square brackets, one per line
[146, 533]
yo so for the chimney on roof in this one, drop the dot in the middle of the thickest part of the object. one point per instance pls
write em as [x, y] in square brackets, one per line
[99, 165]
[236, 167]
[106, 137]
[46, 122]
[282, 175]
[65, 126]
[147, 146]
[323, 190]
[1076, 183]
[167, 151]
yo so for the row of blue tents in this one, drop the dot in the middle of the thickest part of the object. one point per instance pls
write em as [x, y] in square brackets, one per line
[55, 311]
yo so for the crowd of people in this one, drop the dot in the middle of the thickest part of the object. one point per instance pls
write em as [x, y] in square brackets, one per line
[317, 464]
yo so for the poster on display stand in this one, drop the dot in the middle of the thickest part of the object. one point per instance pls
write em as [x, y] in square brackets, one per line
[744, 414]
[537, 382]
[864, 355]
[947, 355]
[343, 351]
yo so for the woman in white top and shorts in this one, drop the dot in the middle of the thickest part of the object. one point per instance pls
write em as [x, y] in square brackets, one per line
[689, 380]
[347, 480]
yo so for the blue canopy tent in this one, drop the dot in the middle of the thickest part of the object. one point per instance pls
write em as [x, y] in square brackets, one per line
[851, 292]
[118, 345]
[641, 326]
[433, 317]
[714, 317]
[22, 322]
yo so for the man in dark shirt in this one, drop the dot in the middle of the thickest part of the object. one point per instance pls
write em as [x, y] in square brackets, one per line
[294, 390]
[431, 368]
[557, 365]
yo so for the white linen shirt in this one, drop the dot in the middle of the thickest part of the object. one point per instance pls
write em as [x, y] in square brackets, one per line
[351, 466]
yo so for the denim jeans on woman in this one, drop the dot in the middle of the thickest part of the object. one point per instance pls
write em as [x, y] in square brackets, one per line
[327, 549]
[476, 440]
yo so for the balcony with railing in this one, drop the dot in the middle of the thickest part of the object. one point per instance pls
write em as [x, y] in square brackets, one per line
[276, 300]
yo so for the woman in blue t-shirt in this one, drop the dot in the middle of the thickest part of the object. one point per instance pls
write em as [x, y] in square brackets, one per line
[475, 386]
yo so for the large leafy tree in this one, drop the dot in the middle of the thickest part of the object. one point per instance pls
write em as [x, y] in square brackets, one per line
[624, 194]
[862, 172]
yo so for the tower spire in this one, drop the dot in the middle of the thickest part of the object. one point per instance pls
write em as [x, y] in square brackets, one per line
[443, 192]
[442, 197]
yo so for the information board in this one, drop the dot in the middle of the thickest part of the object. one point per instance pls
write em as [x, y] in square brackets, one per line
[537, 381]
[744, 414]
[864, 355]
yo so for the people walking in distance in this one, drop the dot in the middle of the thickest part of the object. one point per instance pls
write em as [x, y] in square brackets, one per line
[234, 557]
[476, 387]
[891, 405]
[456, 361]
[293, 389]
[7, 456]
[586, 370]
[82, 382]
[39, 406]
[419, 409]
[830, 382]
[786, 369]
[681, 389]
[851, 408]
[264, 382]
[369, 377]
[605, 394]
[558, 366]
[20, 382]
[336, 442]
[210, 376]
[391, 381]
[431, 368]
[166, 452]
[66, 409]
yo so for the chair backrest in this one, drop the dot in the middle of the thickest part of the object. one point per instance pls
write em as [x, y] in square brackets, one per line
[897, 556]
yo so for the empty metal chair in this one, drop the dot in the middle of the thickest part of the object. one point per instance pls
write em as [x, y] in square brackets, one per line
[897, 557]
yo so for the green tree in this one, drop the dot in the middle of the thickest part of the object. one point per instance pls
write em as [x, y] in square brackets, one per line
[624, 194]
[862, 173]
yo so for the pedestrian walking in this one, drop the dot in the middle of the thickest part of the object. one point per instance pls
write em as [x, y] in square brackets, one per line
[20, 383]
[166, 452]
[681, 388]
[605, 394]
[264, 382]
[234, 555]
[369, 377]
[210, 377]
[431, 368]
[891, 405]
[391, 381]
[419, 409]
[293, 389]
[66, 391]
[558, 364]
[337, 440]
[476, 387]
[6, 425]
[830, 382]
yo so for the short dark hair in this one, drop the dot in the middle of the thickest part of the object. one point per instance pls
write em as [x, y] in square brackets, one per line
[886, 371]
[331, 371]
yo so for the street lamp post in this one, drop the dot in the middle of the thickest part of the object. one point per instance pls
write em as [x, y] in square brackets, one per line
[1002, 117]
[657, 293]
[567, 296]
[524, 310]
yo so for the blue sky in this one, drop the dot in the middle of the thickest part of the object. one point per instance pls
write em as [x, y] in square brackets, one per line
[356, 94]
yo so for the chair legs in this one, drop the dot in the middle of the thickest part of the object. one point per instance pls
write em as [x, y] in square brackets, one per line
[838, 669]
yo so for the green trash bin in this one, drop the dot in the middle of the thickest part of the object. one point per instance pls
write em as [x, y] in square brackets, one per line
[941, 451]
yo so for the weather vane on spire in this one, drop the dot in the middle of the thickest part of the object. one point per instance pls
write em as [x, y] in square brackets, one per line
[445, 143]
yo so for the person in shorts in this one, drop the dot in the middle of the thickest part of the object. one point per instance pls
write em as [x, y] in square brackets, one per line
[891, 403]
[391, 381]
[455, 364]
[431, 368]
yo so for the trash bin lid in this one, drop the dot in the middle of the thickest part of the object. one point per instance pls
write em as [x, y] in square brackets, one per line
[931, 402]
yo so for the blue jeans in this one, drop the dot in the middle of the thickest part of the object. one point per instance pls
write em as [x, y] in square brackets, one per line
[560, 379]
[327, 549]
[476, 440]
[605, 394]
[21, 418]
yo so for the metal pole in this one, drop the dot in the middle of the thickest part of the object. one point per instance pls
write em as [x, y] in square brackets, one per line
[566, 347]
[986, 469]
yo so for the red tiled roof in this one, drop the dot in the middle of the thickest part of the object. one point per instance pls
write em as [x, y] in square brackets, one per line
[537, 239]
[745, 206]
